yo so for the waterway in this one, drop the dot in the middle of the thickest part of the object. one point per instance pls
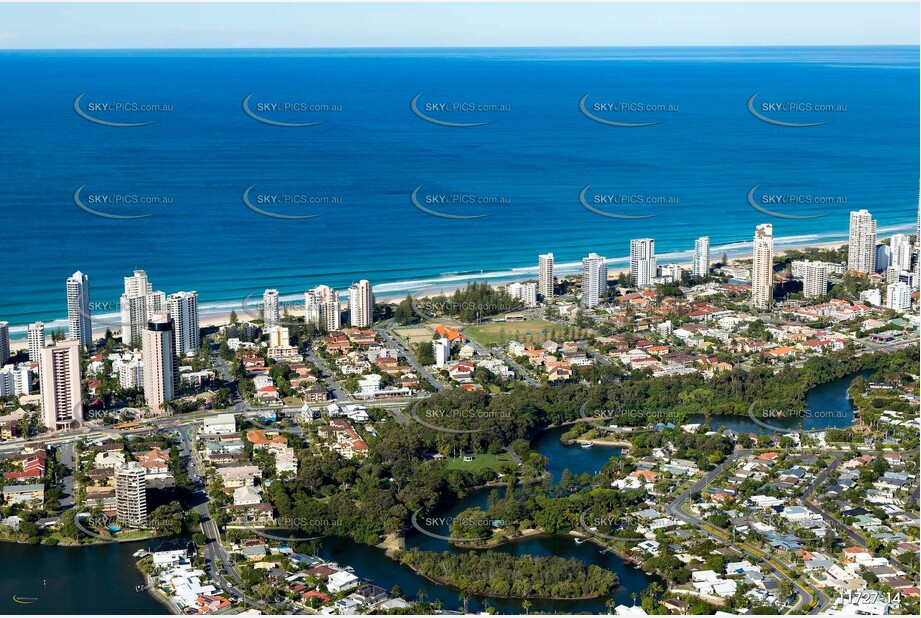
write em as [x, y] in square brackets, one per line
[94, 579]
[102, 579]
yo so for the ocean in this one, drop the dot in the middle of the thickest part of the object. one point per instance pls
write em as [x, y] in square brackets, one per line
[537, 163]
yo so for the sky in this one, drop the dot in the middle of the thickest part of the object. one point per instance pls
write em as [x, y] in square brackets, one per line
[264, 25]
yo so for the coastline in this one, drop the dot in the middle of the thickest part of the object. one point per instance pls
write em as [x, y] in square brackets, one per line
[220, 316]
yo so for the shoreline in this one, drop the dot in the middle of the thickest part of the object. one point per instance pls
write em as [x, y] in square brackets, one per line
[220, 316]
[156, 593]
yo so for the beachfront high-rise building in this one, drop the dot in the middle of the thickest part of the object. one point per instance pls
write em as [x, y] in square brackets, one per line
[361, 304]
[594, 280]
[131, 495]
[36, 342]
[79, 321]
[4, 342]
[900, 251]
[62, 398]
[763, 266]
[138, 302]
[815, 279]
[861, 243]
[321, 308]
[701, 264]
[183, 308]
[545, 275]
[525, 292]
[898, 296]
[642, 261]
[270, 315]
[160, 374]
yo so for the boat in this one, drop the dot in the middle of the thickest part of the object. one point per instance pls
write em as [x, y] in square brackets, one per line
[579, 541]
[587, 445]
[140, 553]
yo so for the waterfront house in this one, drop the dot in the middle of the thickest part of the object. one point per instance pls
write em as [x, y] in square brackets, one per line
[340, 581]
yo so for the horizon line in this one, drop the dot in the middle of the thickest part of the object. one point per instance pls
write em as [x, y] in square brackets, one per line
[469, 47]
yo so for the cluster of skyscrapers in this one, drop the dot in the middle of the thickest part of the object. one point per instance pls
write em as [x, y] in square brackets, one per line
[644, 269]
[896, 261]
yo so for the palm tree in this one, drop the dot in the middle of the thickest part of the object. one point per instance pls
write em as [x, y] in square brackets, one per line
[610, 603]
[421, 596]
[465, 596]
[633, 596]
[526, 605]
[653, 589]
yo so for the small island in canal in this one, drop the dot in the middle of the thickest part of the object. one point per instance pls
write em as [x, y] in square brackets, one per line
[501, 575]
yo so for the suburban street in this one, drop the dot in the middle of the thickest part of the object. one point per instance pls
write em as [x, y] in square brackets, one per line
[394, 342]
[776, 566]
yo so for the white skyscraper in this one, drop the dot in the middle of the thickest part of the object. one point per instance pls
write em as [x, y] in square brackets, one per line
[270, 313]
[62, 398]
[441, 348]
[545, 275]
[361, 304]
[642, 261]
[900, 251]
[183, 308]
[79, 322]
[36, 342]
[131, 495]
[160, 373]
[138, 302]
[861, 244]
[763, 266]
[321, 308]
[4, 342]
[701, 265]
[815, 279]
[898, 296]
[594, 280]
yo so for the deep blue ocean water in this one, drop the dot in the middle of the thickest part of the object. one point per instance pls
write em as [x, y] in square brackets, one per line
[371, 151]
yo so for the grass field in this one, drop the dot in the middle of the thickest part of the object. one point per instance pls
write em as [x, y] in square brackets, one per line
[414, 334]
[536, 330]
[483, 460]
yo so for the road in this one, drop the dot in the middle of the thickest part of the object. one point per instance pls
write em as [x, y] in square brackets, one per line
[326, 375]
[411, 359]
[498, 353]
[852, 534]
[776, 566]
[66, 456]
[218, 564]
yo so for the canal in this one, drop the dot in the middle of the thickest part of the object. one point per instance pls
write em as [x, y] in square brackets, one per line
[101, 579]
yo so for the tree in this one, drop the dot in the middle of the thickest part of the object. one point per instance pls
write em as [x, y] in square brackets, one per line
[404, 313]
[425, 355]
[168, 519]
